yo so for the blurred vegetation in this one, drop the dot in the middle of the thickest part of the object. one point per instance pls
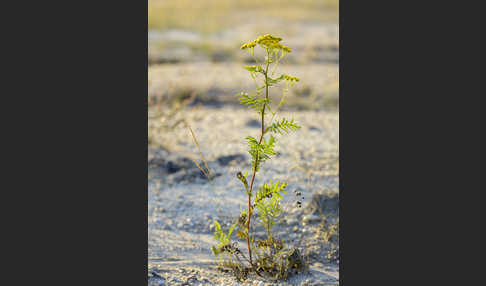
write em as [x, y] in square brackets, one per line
[222, 14]
[194, 49]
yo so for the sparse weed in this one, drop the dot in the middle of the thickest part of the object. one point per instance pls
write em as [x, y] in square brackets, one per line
[206, 171]
[165, 117]
[166, 113]
[326, 205]
[270, 258]
[329, 232]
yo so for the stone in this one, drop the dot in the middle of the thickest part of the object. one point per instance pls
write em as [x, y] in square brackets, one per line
[291, 221]
[307, 219]
[253, 123]
[231, 159]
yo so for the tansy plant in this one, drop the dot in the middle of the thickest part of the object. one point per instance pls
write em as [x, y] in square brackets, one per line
[269, 257]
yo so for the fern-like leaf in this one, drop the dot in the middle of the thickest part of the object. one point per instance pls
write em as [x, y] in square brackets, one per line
[268, 146]
[254, 69]
[267, 203]
[270, 190]
[231, 231]
[273, 81]
[284, 126]
[252, 101]
[260, 152]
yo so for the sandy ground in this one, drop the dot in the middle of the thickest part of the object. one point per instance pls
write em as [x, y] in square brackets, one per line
[183, 203]
[311, 42]
[216, 83]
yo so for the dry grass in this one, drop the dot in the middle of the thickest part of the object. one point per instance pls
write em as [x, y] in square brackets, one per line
[207, 172]
[214, 15]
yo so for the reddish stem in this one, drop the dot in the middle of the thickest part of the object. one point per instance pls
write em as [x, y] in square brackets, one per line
[256, 161]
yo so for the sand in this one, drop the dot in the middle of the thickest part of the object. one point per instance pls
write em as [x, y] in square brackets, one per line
[183, 204]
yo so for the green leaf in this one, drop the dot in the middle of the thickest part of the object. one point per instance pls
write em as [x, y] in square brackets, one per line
[254, 68]
[230, 231]
[268, 146]
[222, 237]
[241, 234]
[271, 189]
[273, 81]
[218, 226]
[252, 101]
[283, 126]
[260, 152]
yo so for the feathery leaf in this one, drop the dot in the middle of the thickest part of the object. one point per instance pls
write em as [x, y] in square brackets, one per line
[283, 126]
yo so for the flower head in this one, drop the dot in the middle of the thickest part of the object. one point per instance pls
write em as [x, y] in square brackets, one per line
[285, 48]
[291, 78]
[268, 40]
[248, 45]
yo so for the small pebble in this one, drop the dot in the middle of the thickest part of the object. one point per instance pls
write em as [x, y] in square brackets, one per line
[291, 221]
[310, 218]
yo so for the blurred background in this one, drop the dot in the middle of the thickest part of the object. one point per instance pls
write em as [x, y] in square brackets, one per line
[194, 49]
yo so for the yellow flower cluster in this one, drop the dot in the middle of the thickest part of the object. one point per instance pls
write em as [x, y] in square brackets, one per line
[285, 48]
[248, 45]
[267, 41]
[291, 78]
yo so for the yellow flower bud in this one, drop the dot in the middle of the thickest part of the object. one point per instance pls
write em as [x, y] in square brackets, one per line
[248, 45]
[291, 78]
